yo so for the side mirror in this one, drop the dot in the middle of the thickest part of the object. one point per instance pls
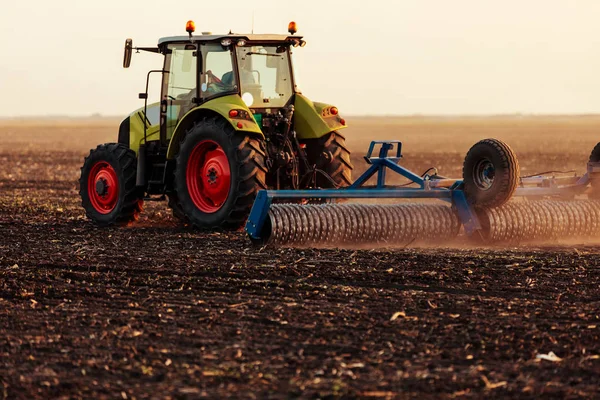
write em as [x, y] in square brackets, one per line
[143, 96]
[127, 53]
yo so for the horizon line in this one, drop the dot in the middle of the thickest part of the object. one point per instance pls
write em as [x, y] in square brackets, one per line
[413, 115]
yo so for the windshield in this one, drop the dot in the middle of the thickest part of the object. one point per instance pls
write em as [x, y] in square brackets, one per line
[265, 76]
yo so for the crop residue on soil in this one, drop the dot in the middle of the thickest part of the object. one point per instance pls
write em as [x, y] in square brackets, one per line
[155, 309]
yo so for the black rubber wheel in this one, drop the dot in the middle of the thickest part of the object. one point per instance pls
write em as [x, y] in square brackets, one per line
[218, 174]
[595, 157]
[107, 185]
[173, 204]
[595, 154]
[490, 173]
[331, 155]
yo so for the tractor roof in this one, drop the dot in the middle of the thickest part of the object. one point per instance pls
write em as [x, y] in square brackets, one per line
[211, 38]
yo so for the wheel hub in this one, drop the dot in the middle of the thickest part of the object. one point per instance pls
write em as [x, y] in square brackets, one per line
[484, 173]
[103, 187]
[208, 176]
[212, 176]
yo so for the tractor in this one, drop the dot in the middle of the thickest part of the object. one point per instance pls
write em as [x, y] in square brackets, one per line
[230, 122]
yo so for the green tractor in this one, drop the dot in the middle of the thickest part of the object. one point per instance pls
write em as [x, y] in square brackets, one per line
[231, 121]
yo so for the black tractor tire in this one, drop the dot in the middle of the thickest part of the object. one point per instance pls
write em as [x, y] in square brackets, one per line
[107, 187]
[490, 173]
[331, 155]
[173, 204]
[246, 162]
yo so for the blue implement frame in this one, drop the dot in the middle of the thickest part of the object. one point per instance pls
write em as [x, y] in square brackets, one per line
[427, 189]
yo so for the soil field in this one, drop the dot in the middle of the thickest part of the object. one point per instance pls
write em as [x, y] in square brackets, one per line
[156, 310]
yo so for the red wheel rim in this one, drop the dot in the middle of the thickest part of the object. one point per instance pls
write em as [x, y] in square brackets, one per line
[103, 187]
[208, 176]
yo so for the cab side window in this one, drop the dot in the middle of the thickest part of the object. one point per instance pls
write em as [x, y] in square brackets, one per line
[217, 74]
[181, 83]
[182, 72]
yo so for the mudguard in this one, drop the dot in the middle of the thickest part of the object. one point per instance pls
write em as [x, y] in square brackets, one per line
[313, 120]
[131, 130]
[220, 106]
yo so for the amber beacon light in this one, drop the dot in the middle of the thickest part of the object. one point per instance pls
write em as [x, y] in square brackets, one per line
[190, 27]
[292, 28]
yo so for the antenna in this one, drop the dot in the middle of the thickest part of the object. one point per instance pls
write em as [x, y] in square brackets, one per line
[253, 22]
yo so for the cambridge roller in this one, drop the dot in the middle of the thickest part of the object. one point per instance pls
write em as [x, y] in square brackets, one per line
[332, 225]
[540, 220]
[491, 204]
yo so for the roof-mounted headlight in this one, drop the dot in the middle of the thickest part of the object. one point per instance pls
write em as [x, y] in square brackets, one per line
[226, 42]
[241, 43]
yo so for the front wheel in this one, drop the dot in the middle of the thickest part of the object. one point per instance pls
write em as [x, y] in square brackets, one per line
[107, 185]
[219, 172]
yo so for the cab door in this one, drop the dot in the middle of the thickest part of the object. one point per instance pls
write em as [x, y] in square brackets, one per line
[180, 89]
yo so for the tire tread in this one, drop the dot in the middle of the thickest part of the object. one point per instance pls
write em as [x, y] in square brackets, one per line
[132, 204]
[251, 172]
[508, 181]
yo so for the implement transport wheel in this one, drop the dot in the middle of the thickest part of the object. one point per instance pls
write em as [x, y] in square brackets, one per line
[107, 185]
[595, 157]
[219, 172]
[595, 154]
[331, 155]
[490, 173]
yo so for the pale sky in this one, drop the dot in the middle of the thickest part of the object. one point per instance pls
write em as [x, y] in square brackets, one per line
[365, 56]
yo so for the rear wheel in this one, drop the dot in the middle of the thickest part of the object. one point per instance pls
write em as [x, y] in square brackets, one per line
[330, 155]
[173, 204]
[490, 173]
[107, 185]
[219, 172]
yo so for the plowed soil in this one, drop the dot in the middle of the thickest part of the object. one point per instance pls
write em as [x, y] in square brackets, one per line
[157, 310]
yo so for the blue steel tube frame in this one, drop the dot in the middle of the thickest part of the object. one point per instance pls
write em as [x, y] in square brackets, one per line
[379, 166]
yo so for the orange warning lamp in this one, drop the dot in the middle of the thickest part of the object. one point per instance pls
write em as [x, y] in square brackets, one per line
[190, 27]
[292, 28]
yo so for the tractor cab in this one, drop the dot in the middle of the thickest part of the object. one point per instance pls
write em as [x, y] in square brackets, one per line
[256, 68]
